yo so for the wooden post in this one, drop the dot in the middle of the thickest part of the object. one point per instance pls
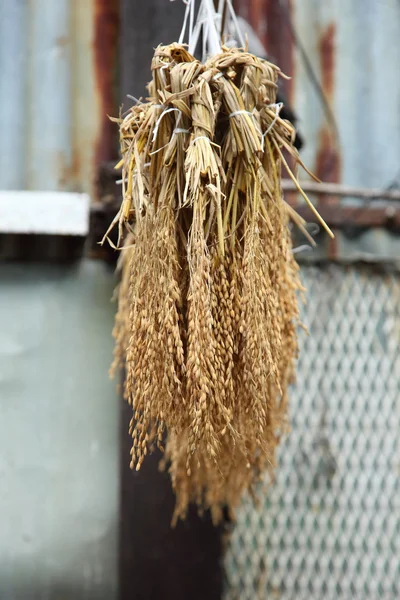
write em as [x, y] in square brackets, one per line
[156, 561]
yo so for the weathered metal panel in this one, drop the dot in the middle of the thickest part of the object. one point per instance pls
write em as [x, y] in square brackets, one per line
[351, 50]
[48, 100]
[57, 70]
[13, 88]
[59, 433]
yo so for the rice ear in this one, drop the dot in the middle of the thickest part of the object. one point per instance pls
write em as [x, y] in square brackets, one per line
[208, 309]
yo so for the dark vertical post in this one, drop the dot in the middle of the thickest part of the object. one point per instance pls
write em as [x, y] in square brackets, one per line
[144, 25]
[157, 562]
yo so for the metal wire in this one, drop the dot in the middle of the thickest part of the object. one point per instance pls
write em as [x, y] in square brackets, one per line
[330, 526]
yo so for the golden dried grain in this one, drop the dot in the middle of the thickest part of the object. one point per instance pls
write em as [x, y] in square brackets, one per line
[208, 313]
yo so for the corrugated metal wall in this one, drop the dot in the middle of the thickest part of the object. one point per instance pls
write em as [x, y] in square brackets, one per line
[351, 51]
[354, 50]
[57, 68]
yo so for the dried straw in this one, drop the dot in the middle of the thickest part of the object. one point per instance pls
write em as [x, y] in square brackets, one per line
[207, 317]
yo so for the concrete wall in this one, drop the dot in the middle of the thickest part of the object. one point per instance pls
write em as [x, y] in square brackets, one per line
[58, 431]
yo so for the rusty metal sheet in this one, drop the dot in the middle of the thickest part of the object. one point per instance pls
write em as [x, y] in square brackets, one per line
[57, 84]
[57, 87]
[350, 50]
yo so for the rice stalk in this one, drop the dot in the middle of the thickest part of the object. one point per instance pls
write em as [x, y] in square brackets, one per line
[208, 299]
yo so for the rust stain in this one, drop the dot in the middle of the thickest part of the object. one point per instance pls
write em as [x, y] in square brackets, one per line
[327, 48]
[328, 159]
[63, 168]
[328, 168]
[62, 41]
[105, 44]
[328, 164]
[69, 170]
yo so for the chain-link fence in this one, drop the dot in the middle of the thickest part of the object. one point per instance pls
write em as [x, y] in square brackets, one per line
[330, 526]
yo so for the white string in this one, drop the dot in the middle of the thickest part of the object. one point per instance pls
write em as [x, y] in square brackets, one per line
[303, 248]
[159, 149]
[177, 130]
[205, 39]
[313, 229]
[185, 20]
[208, 21]
[241, 112]
[278, 108]
[191, 18]
[236, 24]
[195, 33]
[220, 12]
[134, 99]
[160, 118]
[200, 137]
[214, 43]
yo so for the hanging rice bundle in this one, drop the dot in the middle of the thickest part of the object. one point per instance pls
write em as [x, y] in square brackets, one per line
[206, 327]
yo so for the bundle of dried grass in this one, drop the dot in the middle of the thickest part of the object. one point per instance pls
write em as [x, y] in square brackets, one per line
[208, 312]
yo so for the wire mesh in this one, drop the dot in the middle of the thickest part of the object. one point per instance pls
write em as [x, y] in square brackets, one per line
[330, 525]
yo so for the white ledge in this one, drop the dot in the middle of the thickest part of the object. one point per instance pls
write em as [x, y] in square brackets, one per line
[49, 213]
